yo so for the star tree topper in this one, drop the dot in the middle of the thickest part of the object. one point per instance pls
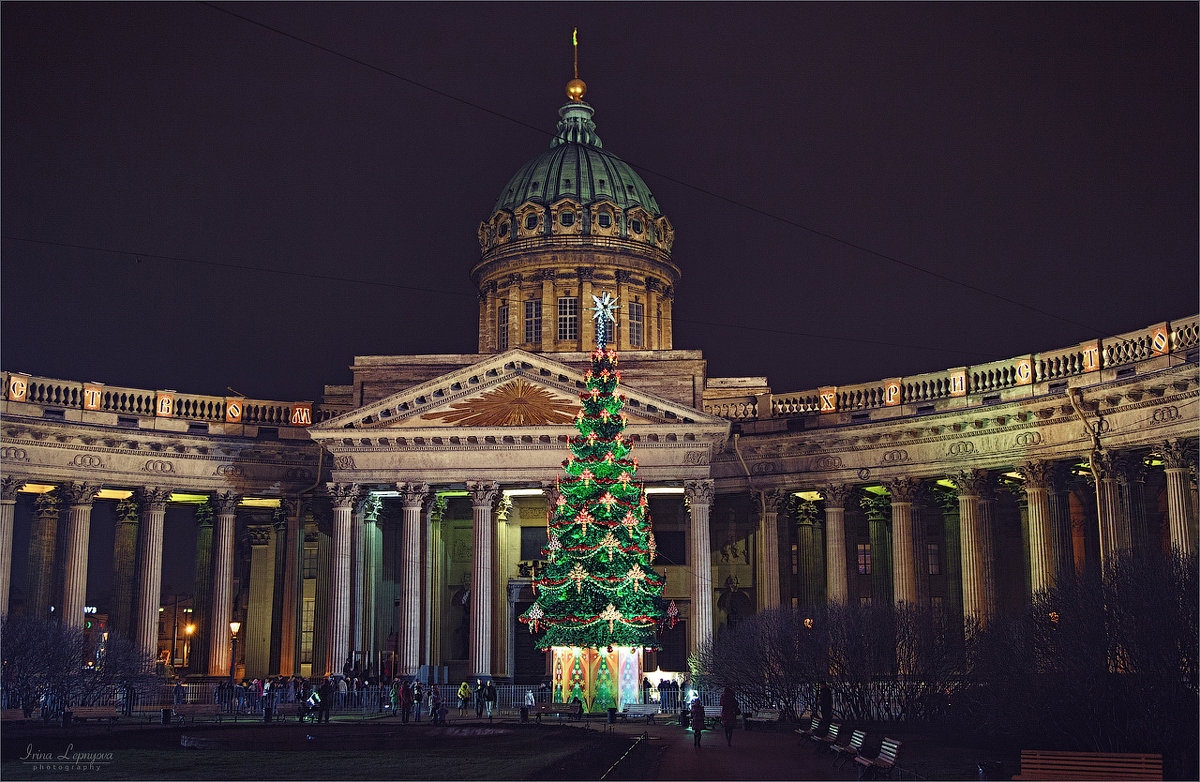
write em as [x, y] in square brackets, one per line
[603, 312]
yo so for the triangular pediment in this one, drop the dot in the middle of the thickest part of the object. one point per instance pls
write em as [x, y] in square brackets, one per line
[512, 389]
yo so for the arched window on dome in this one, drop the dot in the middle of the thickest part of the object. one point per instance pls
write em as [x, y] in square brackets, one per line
[566, 218]
[604, 220]
[635, 226]
[531, 221]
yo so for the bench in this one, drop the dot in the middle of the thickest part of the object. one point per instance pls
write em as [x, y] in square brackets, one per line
[81, 713]
[850, 749]
[572, 710]
[191, 711]
[711, 714]
[762, 715]
[811, 730]
[883, 763]
[17, 715]
[829, 738]
[1052, 764]
[647, 710]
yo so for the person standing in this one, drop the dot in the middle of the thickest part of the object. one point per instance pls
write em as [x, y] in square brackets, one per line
[645, 689]
[480, 693]
[826, 699]
[418, 701]
[406, 695]
[489, 694]
[697, 720]
[729, 714]
[464, 694]
[325, 693]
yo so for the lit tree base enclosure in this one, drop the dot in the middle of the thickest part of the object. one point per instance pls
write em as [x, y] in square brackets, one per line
[600, 679]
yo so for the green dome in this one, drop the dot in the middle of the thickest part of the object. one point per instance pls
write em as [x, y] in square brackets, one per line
[577, 167]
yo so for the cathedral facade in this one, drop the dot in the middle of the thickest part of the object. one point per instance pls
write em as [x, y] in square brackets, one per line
[398, 522]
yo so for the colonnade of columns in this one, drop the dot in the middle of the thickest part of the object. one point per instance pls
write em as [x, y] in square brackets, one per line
[1118, 499]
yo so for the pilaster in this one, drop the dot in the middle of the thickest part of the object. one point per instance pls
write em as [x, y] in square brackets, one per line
[768, 549]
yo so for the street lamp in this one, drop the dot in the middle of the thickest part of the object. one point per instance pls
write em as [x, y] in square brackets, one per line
[187, 644]
[233, 628]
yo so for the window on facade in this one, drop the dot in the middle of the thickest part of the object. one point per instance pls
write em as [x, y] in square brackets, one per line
[933, 557]
[658, 326]
[604, 220]
[795, 559]
[533, 321]
[532, 541]
[635, 226]
[531, 221]
[567, 218]
[310, 562]
[568, 318]
[308, 617]
[636, 317]
[865, 602]
[672, 548]
[502, 327]
[864, 559]
[503, 231]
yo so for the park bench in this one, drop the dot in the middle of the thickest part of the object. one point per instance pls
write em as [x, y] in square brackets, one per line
[711, 714]
[647, 710]
[572, 710]
[829, 738]
[16, 715]
[883, 763]
[81, 713]
[191, 711]
[762, 715]
[850, 749]
[1052, 764]
[811, 730]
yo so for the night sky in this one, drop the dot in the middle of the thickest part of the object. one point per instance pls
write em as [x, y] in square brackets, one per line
[173, 163]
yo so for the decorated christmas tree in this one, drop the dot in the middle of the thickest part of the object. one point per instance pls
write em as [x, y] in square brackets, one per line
[598, 602]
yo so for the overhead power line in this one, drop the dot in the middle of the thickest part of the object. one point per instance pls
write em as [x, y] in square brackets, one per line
[682, 183]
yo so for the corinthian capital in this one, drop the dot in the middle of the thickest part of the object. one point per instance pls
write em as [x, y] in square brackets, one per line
[836, 495]
[413, 495]
[225, 502]
[9, 486]
[700, 491]
[1178, 454]
[80, 493]
[343, 495]
[774, 500]
[153, 498]
[972, 483]
[904, 489]
[483, 493]
[1037, 474]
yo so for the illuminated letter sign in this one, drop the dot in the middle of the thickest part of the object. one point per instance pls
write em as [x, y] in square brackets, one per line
[91, 396]
[165, 406]
[1024, 370]
[1160, 343]
[18, 388]
[828, 399]
[1091, 357]
[301, 414]
[958, 383]
[891, 393]
[233, 411]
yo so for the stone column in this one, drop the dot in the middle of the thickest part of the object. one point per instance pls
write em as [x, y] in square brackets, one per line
[549, 309]
[201, 590]
[1131, 473]
[653, 327]
[79, 498]
[358, 538]
[987, 539]
[153, 501]
[699, 495]
[413, 497]
[43, 544]
[969, 484]
[484, 495]
[435, 576]
[9, 486]
[808, 554]
[1177, 456]
[587, 326]
[768, 549]
[292, 540]
[1113, 533]
[903, 492]
[370, 577]
[837, 586]
[343, 495]
[1060, 523]
[219, 649]
[1037, 476]
[876, 509]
